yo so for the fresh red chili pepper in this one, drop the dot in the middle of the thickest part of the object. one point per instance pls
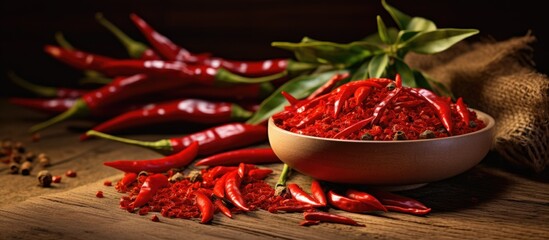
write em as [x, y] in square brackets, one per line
[365, 198]
[224, 209]
[441, 106]
[219, 186]
[46, 91]
[463, 111]
[329, 217]
[318, 193]
[250, 91]
[160, 165]
[212, 140]
[232, 191]
[381, 106]
[134, 48]
[347, 204]
[327, 87]
[291, 99]
[300, 195]
[187, 110]
[78, 59]
[218, 171]
[259, 173]
[164, 46]
[205, 205]
[51, 105]
[344, 93]
[244, 168]
[128, 179]
[246, 155]
[396, 202]
[149, 188]
[361, 93]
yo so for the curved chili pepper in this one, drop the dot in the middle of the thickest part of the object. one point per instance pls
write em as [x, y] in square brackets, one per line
[463, 111]
[205, 205]
[219, 186]
[399, 203]
[291, 99]
[212, 140]
[348, 204]
[300, 195]
[55, 105]
[318, 193]
[316, 114]
[361, 93]
[224, 209]
[328, 217]
[149, 188]
[353, 128]
[345, 91]
[327, 87]
[187, 110]
[365, 198]
[441, 106]
[381, 106]
[259, 173]
[218, 171]
[160, 165]
[134, 48]
[46, 91]
[246, 155]
[232, 191]
[128, 179]
[78, 59]
[250, 91]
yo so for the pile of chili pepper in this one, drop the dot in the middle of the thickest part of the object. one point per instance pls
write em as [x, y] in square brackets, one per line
[378, 109]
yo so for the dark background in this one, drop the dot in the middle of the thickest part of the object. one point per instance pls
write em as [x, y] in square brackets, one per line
[239, 29]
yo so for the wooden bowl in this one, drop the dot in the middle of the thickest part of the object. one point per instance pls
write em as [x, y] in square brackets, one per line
[396, 165]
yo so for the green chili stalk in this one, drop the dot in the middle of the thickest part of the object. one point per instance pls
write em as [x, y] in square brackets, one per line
[280, 186]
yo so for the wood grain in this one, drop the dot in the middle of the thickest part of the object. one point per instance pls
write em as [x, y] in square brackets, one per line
[487, 202]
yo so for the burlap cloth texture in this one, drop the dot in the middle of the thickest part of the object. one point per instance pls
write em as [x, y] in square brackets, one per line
[499, 78]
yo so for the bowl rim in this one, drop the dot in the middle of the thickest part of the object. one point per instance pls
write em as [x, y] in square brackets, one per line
[489, 121]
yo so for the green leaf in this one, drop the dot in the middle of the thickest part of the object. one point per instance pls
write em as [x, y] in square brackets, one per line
[400, 18]
[405, 35]
[299, 87]
[378, 65]
[420, 24]
[361, 72]
[437, 40]
[439, 88]
[382, 30]
[375, 39]
[406, 73]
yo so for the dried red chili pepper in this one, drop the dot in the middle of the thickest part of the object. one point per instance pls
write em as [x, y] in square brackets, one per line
[224, 209]
[365, 198]
[301, 196]
[353, 128]
[327, 87]
[219, 186]
[124, 183]
[234, 157]
[259, 173]
[291, 99]
[50, 105]
[350, 205]
[381, 106]
[399, 203]
[149, 188]
[219, 171]
[186, 110]
[232, 191]
[205, 205]
[329, 217]
[160, 165]
[212, 140]
[441, 106]
[463, 111]
[318, 193]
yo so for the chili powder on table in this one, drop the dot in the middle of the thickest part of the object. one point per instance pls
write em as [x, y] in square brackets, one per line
[407, 115]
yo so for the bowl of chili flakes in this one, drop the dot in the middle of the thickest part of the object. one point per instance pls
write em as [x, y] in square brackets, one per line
[408, 144]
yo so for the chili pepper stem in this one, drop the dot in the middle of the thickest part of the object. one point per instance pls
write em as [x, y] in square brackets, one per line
[280, 186]
[239, 113]
[95, 80]
[225, 76]
[135, 49]
[161, 146]
[78, 109]
[37, 89]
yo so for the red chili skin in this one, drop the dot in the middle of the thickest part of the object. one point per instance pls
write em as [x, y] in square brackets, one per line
[441, 106]
[218, 171]
[345, 91]
[327, 87]
[328, 217]
[318, 113]
[226, 93]
[291, 99]
[249, 68]
[232, 190]
[365, 198]
[413, 211]
[149, 188]
[160, 165]
[259, 173]
[52, 106]
[348, 204]
[224, 209]
[308, 223]
[77, 59]
[463, 111]
[381, 106]
[362, 93]
[219, 186]
[301, 196]
[353, 128]
[235, 157]
[186, 110]
[128, 179]
[393, 199]
[318, 193]
[205, 205]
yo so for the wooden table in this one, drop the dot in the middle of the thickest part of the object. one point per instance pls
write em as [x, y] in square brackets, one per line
[489, 201]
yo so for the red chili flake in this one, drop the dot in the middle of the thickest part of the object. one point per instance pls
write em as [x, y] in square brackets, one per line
[56, 179]
[99, 194]
[107, 183]
[70, 173]
[155, 218]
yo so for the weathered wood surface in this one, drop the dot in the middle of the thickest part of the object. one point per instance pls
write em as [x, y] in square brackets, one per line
[488, 202]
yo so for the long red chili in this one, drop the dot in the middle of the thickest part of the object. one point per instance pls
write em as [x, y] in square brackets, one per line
[399, 203]
[251, 91]
[259, 173]
[318, 193]
[160, 165]
[327, 87]
[235, 157]
[347, 204]
[219, 186]
[212, 140]
[205, 205]
[441, 106]
[186, 110]
[78, 59]
[365, 198]
[329, 217]
[124, 183]
[298, 194]
[232, 191]
[224, 209]
[353, 128]
[381, 106]
[463, 111]
[149, 188]
[49, 105]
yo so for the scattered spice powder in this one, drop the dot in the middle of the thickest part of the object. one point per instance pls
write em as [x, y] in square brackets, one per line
[398, 113]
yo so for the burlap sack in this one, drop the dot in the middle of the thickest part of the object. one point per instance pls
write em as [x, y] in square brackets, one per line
[499, 78]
